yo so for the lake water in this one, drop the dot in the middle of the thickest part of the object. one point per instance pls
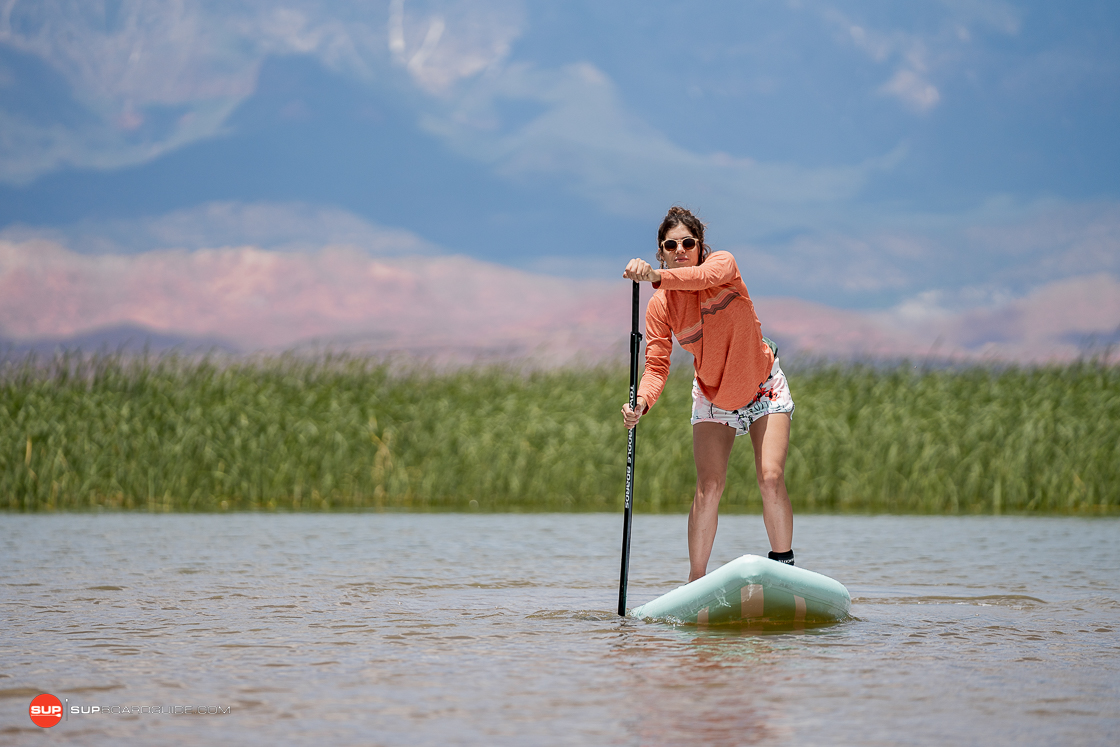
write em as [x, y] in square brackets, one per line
[407, 629]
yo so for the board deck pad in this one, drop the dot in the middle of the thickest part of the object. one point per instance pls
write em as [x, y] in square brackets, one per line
[753, 590]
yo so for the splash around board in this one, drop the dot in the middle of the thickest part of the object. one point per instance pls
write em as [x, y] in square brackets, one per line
[753, 590]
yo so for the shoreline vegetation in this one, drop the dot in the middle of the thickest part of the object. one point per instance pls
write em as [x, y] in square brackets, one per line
[170, 433]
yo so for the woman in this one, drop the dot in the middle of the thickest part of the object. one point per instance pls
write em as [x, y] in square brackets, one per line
[739, 387]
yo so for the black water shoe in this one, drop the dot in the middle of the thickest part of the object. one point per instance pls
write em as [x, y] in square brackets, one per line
[782, 557]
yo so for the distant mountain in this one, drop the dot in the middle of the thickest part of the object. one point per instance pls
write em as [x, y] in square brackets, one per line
[125, 338]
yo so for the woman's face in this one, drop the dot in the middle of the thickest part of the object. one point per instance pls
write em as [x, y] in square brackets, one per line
[680, 257]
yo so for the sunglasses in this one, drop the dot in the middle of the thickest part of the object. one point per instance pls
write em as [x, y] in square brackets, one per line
[670, 245]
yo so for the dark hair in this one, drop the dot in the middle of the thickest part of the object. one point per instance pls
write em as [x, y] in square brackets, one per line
[679, 216]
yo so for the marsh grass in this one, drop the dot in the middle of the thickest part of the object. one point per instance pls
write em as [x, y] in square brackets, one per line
[343, 433]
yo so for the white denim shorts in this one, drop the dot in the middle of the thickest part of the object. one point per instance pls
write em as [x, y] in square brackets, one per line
[772, 396]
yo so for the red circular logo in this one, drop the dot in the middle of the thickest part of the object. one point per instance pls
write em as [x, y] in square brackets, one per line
[46, 710]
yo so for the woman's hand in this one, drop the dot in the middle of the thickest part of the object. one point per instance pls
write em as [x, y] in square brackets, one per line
[641, 271]
[631, 418]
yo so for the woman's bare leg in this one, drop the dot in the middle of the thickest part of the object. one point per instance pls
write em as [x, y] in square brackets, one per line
[770, 437]
[711, 448]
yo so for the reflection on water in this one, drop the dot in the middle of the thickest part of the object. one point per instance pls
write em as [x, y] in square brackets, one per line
[699, 687]
[438, 629]
[1017, 601]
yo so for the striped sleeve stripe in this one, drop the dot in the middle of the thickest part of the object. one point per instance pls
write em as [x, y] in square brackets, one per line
[692, 334]
[719, 302]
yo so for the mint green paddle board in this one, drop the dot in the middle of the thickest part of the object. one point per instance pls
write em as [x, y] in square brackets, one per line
[753, 590]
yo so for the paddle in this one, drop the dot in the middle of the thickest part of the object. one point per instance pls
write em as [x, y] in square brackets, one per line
[635, 348]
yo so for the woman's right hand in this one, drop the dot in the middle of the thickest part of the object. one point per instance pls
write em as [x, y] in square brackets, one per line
[631, 418]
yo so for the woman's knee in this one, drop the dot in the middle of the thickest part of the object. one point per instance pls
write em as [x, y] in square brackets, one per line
[709, 491]
[771, 477]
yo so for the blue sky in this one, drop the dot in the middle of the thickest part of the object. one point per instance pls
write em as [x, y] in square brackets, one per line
[942, 154]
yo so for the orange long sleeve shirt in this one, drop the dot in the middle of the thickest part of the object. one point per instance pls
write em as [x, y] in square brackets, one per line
[709, 311]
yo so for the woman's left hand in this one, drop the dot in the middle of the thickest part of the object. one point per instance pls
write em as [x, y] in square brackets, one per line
[641, 271]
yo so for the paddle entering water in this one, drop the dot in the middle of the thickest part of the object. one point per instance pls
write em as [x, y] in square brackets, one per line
[627, 514]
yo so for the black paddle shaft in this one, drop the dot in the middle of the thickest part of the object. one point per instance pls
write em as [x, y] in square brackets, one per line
[628, 513]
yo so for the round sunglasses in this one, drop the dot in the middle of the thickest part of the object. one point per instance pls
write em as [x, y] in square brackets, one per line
[670, 245]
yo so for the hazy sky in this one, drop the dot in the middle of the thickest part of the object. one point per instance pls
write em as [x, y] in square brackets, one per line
[907, 159]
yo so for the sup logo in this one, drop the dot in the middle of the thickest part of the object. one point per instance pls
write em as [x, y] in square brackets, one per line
[46, 710]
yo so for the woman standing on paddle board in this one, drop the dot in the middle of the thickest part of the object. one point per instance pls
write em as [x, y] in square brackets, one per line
[739, 387]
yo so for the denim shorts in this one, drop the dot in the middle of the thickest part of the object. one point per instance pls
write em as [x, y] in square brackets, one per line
[772, 396]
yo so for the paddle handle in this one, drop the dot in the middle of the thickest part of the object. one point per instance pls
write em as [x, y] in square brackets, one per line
[632, 439]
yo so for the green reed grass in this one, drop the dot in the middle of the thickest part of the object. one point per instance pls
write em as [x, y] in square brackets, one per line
[171, 434]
